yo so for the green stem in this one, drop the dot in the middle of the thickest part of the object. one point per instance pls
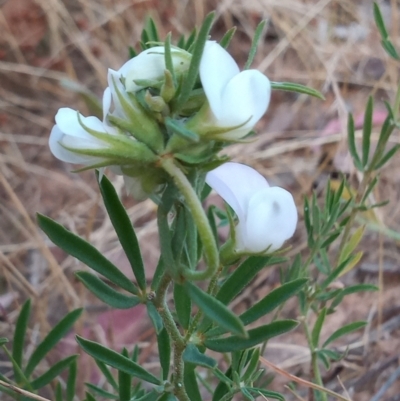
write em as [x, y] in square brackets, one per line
[200, 218]
[178, 343]
[315, 372]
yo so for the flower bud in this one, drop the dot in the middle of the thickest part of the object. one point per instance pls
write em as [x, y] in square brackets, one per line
[267, 215]
[149, 65]
[235, 100]
[88, 141]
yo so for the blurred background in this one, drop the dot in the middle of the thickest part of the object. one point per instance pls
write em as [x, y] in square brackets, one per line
[55, 53]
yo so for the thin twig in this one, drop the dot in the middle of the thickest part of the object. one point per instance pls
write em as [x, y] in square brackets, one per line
[23, 392]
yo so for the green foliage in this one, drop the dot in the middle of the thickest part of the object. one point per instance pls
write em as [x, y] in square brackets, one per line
[215, 310]
[51, 340]
[386, 42]
[124, 229]
[256, 39]
[86, 253]
[298, 88]
[116, 360]
[106, 293]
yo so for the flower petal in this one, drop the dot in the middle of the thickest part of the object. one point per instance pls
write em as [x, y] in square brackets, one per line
[65, 155]
[245, 99]
[150, 65]
[236, 183]
[68, 123]
[271, 220]
[217, 68]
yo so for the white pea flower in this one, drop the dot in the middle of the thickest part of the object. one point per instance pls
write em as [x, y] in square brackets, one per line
[68, 134]
[267, 215]
[236, 100]
[150, 65]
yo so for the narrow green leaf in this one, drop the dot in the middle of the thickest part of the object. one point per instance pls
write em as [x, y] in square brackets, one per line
[191, 39]
[256, 336]
[253, 364]
[19, 336]
[336, 272]
[226, 39]
[106, 293]
[71, 382]
[271, 301]
[154, 316]
[124, 382]
[116, 360]
[164, 352]
[101, 392]
[256, 39]
[190, 79]
[168, 56]
[3, 340]
[107, 374]
[58, 392]
[343, 331]
[86, 253]
[183, 305]
[380, 24]
[298, 88]
[246, 394]
[387, 157]
[165, 236]
[359, 288]
[193, 356]
[160, 269]
[243, 275]
[50, 341]
[390, 49]
[351, 140]
[215, 310]
[124, 229]
[191, 384]
[179, 129]
[367, 131]
[53, 372]
[266, 393]
[316, 332]
[223, 386]
[89, 397]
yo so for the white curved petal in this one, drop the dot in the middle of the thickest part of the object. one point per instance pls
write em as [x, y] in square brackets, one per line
[150, 65]
[245, 99]
[106, 102]
[68, 123]
[271, 220]
[56, 138]
[236, 183]
[217, 68]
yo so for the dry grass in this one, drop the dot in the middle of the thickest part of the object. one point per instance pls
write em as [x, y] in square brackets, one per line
[331, 45]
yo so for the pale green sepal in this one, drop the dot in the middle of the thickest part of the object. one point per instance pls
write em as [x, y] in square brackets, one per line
[201, 123]
[168, 88]
[146, 129]
[136, 153]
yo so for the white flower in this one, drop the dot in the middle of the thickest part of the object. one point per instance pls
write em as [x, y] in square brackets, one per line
[68, 134]
[236, 99]
[267, 215]
[150, 65]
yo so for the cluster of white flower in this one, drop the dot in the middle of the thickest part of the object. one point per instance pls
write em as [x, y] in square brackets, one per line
[235, 102]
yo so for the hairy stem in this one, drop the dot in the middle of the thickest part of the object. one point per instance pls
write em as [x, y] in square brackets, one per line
[314, 369]
[200, 218]
[178, 343]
